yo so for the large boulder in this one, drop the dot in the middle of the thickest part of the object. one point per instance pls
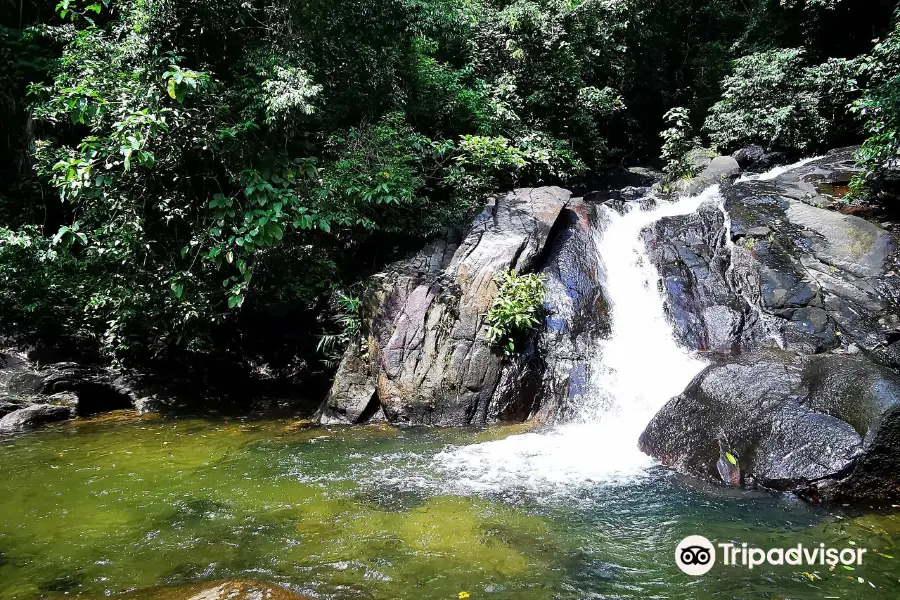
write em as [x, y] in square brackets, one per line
[46, 389]
[781, 270]
[822, 426]
[425, 358]
[797, 305]
[712, 171]
[555, 369]
[749, 156]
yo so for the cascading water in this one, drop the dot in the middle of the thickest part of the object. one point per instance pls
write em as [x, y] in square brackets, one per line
[637, 369]
[775, 172]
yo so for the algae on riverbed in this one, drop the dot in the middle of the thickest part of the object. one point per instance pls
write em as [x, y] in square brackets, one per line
[103, 507]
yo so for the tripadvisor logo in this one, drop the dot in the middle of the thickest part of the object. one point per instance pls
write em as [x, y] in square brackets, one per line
[696, 555]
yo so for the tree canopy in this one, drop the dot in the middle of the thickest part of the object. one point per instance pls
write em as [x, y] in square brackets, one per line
[173, 167]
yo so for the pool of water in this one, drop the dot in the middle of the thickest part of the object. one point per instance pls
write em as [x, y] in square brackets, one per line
[102, 507]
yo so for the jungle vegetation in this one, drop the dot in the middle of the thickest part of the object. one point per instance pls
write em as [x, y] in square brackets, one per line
[189, 178]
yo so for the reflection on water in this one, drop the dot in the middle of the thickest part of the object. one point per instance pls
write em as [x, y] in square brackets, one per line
[102, 508]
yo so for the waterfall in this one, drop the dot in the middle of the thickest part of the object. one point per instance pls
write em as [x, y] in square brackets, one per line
[637, 368]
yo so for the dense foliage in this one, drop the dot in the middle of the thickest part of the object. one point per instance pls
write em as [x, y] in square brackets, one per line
[879, 108]
[181, 173]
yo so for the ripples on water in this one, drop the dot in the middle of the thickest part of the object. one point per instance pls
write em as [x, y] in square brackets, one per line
[95, 509]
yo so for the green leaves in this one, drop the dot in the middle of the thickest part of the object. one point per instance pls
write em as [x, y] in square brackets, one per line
[517, 308]
[730, 457]
[182, 82]
[677, 143]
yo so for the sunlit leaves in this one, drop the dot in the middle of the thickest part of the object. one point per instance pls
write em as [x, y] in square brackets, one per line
[517, 308]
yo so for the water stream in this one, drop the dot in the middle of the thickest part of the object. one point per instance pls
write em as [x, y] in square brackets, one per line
[600, 444]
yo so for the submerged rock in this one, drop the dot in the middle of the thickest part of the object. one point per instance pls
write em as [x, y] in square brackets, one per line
[426, 359]
[242, 589]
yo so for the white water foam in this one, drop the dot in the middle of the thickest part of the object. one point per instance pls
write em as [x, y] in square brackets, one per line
[773, 173]
[639, 367]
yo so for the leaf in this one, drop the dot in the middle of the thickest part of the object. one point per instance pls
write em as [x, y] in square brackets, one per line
[324, 226]
[235, 301]
[848, 568]
[731, 458]
[171, 88]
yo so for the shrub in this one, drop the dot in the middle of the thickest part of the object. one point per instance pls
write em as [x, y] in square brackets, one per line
[517, 308]
[880, 110]
[348, 318]
[677, 142]
[774, 99]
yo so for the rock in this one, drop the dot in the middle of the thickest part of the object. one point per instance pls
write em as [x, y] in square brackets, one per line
[797, 275]
[718, 170]
[426, 351]
[800, 305]
[241, 589]
[616, 179]
[34, 416]
[10, 403]
[85, 389]
[556, 369]
[818, 425]
[699, 158]
[697, 268]
[64, 399]
[749, 156]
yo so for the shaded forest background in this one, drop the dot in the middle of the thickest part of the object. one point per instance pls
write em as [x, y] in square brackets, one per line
[195, 182]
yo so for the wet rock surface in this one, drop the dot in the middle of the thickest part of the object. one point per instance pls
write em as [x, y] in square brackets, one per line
[797, 306]
[240, 589]
[35, 416]
[808, 424]
[426, 360]
[32, 395]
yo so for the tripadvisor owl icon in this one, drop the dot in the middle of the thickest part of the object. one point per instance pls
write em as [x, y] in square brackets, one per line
[695, 555]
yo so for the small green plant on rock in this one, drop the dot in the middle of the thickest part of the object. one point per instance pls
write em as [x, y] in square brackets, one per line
[517, 309]
[348, 317]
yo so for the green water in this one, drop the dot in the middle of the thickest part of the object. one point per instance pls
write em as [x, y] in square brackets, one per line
[99, 508]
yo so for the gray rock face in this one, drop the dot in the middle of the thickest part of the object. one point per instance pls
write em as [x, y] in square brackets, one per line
[801, 423]
[42, 390]
[787, 273]
[35, 416]
[720, 169]
[749, 156]
[800, 304]
[425, 359]
[578, 317]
